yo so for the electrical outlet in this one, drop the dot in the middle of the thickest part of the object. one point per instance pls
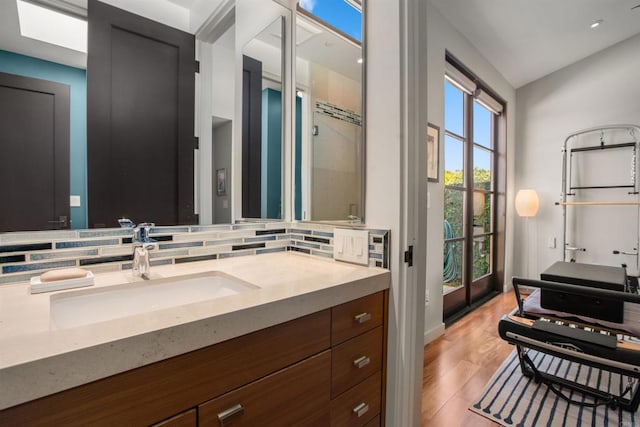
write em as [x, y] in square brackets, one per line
[426, 297]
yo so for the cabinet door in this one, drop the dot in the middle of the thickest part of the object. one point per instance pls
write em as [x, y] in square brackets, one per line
[355, 360]
[298, 395]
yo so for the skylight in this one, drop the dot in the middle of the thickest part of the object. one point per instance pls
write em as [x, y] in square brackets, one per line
[341, 14]
[53, 27]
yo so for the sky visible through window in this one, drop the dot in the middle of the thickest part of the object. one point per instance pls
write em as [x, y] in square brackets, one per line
[337, 13]
[454, 122]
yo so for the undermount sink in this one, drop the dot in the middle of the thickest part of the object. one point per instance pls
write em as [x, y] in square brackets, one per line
[84, 307]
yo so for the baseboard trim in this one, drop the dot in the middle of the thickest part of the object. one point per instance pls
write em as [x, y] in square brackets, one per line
[433, 333]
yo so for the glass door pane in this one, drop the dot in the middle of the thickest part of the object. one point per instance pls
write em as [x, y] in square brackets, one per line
[482, 256]
[482, 168]
[482, 124]
[453, 109]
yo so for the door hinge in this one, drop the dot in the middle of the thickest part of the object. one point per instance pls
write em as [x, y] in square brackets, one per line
[196, 143]
[197, 66]
[408, 256]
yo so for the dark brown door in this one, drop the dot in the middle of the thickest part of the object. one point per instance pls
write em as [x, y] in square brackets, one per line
[251, 137]
[34, 154]
[140, 119]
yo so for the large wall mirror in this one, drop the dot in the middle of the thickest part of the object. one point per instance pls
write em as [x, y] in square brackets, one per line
[329, 146]
[255, 31]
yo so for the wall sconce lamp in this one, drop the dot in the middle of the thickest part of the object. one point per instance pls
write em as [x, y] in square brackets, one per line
[527, 202]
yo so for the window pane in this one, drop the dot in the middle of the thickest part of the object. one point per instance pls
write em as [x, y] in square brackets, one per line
[482, 203]
[482, 125]
[452, 272]
[453, 161]
[481, 256]
[453, 213]
[453, 109]
[482, 161]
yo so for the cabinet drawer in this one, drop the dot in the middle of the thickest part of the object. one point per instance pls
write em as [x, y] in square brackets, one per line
[298, 395]
[355, 317]
[358, 406]
[355, 360]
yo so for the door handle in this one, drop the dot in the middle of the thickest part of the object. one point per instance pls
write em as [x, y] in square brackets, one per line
[61, 221]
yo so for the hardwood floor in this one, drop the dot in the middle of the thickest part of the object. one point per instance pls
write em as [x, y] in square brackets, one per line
[458, 365]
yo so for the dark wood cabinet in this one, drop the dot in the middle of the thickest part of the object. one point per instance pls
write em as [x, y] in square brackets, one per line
[288, 374]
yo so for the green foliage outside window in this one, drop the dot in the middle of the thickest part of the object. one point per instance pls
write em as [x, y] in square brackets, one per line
[454, 223]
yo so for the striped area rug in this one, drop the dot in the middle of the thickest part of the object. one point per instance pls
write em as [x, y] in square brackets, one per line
[511, 399]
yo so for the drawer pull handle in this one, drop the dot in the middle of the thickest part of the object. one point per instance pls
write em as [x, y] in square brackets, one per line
[362, 317]
[361, 409]
[230, 413]
[361, 362]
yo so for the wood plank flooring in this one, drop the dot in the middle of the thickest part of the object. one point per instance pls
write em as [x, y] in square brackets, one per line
[459, 364]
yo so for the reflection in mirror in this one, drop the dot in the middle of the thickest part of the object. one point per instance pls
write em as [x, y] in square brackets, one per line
[329, 149]
[262, 123]
[213, 198]
[223, 68]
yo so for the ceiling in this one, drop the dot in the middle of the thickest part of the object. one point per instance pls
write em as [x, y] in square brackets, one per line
[526, 40]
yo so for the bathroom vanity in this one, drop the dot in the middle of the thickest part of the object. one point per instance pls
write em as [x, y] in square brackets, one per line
[305, 346]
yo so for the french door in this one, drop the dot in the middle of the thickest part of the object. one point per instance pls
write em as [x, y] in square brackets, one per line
[470, 199]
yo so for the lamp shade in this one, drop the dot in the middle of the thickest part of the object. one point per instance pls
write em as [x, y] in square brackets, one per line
[527, 202]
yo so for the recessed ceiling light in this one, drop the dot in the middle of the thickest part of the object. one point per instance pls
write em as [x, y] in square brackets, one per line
[597, 23]
[53, 27]
[359, 60]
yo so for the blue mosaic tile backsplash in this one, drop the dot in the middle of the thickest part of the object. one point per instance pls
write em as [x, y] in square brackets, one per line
[23, 255]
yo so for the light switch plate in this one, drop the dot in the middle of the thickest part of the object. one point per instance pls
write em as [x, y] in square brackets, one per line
[351, 245]
[74, 201]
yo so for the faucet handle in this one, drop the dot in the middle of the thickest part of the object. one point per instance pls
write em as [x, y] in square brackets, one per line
[126, 223]
[141, 232]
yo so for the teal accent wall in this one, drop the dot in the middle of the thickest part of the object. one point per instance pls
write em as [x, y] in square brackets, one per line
[76, 78]
[271, 192]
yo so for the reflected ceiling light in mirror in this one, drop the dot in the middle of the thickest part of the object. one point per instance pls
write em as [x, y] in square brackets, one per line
[597, 23]
[49, 26]
[359, 61]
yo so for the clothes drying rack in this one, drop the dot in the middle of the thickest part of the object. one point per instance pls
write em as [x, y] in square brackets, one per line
[571, 188]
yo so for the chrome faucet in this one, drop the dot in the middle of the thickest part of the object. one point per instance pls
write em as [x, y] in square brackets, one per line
[142, 244]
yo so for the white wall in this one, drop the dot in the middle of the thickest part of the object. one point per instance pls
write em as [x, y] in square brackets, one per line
[441, 37]
[601, 89]
[223, 77]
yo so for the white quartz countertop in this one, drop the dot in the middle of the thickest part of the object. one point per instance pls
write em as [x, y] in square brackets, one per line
[37, 359]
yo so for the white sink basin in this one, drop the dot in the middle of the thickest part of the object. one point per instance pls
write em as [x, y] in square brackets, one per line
[84, 307]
